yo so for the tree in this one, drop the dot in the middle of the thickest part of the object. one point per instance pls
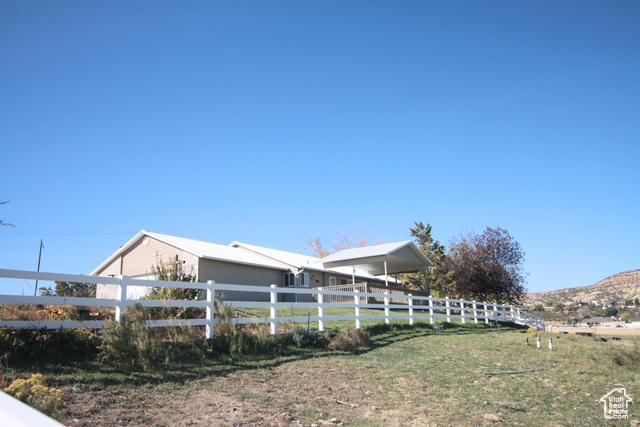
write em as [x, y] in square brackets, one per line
[354, 237]
[75, 289]
[485, 267]
[625, 317]
[5, 224]
[611, 312]
[434, 251]
[636, 302]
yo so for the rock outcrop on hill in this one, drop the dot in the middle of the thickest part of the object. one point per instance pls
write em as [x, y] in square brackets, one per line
[619, 288]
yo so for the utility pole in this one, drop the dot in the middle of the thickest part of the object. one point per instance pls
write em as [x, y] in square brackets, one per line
[35, 291]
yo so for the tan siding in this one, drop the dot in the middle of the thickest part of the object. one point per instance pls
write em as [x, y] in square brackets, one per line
[140, 259]
[240, 274]
[112, 269]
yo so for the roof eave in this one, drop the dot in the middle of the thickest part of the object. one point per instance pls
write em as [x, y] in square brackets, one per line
[117, 253]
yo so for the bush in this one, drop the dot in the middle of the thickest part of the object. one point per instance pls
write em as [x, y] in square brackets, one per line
[34, 392]
[534, 332]
[48, 346]
[304, 338]
[134, 345]
[349, 340]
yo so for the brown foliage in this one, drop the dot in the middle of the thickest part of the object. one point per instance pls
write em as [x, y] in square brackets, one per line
[485, 267]
[353, 237]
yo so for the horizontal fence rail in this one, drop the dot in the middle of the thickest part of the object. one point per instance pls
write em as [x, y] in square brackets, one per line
[412, 307]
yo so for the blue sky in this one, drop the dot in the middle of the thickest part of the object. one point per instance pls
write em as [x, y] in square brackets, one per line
[262, 121]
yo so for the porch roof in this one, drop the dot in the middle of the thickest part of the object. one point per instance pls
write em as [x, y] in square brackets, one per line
[399, 257]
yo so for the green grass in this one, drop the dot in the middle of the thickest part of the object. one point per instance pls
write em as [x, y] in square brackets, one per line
[286, 313]
[408, 374]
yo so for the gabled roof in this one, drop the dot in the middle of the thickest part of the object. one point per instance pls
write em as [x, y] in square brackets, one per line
[298, 261]
[198, 248]
[400, 257]
[367, 261]
[288, 258]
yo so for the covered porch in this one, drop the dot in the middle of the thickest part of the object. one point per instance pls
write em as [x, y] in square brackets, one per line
[380, 260]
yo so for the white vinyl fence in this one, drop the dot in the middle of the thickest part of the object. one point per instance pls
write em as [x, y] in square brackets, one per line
[412, 307]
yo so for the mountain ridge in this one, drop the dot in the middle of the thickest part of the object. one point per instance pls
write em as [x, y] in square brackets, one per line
[618, 287]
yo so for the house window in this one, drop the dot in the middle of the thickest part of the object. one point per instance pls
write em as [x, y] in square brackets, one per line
[346, 281]
[332, 281]
[303, 280]
[289, 280]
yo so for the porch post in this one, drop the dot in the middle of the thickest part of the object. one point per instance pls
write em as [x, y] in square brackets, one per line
[353, 275]
[386, 275]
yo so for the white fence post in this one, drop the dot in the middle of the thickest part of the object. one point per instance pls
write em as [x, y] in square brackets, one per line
[211, 301]
[274, 309]
[526, 322]
[513, 314]
[386, 308]
[504, 313]
[122, 298]
[462, 311]
[486, 313]
[410, 309]
[475, 312]
[448, 310]
[356, 297]
[431, 308]
[321, 309]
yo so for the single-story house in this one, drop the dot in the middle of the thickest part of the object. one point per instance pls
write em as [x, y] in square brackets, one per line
[633, 323]
[245, 264]
[600, 321]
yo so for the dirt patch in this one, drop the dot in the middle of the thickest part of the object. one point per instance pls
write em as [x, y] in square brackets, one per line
[298, 393]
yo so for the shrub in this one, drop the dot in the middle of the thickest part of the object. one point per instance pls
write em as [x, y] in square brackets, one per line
[34, 392]
[304, 338]
[349, 340]
[534, 332]
[629, 358]
[52, 346]
[134, 345]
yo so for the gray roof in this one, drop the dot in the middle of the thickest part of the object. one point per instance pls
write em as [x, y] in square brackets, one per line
[367, 261]
[401, 257]
[198, 248]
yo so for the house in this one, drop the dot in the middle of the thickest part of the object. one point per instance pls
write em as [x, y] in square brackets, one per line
[633, 323]
[600, 321]
[246, 264]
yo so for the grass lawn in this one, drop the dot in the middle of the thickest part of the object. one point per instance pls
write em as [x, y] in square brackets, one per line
[408, 376]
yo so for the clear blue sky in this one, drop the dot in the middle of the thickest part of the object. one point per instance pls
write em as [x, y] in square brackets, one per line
[260, 121]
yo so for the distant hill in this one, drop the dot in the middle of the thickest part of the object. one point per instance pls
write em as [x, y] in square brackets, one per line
[619, 287]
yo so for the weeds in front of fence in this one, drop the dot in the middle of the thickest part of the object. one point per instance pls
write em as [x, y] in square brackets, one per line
[133, 344]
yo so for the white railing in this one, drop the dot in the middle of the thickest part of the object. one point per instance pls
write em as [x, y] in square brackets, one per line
[415, 308]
